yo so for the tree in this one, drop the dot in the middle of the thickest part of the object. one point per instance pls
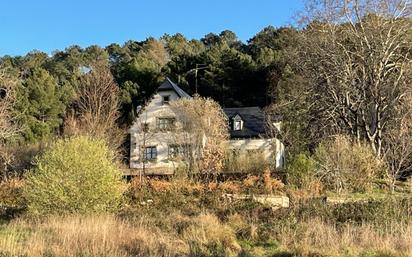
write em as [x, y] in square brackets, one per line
[204, 127]
[8, 86]
[357, 56]
[138, 70]
[300, 171]
[41, 104]
[75, 175]
[8, 123]
[398, 147]
[96, 108]
[177, 46]
[288, 90]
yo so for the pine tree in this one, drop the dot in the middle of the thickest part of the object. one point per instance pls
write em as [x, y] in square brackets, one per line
[41, 104]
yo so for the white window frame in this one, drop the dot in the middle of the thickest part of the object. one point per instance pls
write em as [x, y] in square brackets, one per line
[237, 123]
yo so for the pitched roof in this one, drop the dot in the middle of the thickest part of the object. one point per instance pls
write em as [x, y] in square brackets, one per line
[254, 124]
[168, 84]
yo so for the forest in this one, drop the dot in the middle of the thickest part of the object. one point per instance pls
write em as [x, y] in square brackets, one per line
[229, 71]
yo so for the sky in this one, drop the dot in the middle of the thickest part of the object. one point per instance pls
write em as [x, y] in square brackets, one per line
[49, 25]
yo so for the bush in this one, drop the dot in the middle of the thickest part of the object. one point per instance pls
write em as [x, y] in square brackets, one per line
[10, 193]
[301, 171]
[11, 200]
[75, 175]
[252, 161]
[344, 165]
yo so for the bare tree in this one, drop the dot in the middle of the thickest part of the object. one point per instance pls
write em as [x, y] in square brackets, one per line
[357, 54]
[398, 153]
[206, 131]
[97, 106]
[8, 125]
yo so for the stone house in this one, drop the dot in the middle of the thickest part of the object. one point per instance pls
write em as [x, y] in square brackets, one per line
[154, 145]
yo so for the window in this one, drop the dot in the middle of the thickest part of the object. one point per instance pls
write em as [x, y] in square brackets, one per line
[237, 125]
[165, 123]
[237, 122]
[178, 151]
[166, 99]
[145, 127]
[150, 153]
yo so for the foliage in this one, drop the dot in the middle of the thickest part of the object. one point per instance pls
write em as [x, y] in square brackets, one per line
[11, 193]
[300, 171]
[75, 175]
[346, 165]
[41, 104]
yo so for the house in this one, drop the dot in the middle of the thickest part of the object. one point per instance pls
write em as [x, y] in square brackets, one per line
[249, 131]
[154, 141]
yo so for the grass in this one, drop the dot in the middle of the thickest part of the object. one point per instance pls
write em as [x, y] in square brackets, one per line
[182, 218]
[245, 162]
[202, 235]
[83, 236]
[326, 239]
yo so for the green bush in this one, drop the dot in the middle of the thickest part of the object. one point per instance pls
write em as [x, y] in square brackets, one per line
[75, 175]
[300, 172]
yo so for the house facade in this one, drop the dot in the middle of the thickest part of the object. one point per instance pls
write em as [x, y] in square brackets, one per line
[155, 142]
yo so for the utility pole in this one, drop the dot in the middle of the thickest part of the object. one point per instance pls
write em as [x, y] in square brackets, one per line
[199, 66]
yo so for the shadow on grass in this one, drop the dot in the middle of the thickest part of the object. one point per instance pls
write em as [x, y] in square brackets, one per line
[7, 214]
[283, 254]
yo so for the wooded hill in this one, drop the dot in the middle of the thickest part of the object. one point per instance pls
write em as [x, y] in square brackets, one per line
[345, 70]
[230, 71]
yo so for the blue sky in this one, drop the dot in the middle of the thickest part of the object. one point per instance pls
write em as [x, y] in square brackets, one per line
[48, 25]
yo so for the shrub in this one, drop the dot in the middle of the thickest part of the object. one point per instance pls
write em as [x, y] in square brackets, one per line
[346, 165]
[11, 201]
[301, 171]
[271, 184]
[10, 193]
[245, 161]
[75, 175]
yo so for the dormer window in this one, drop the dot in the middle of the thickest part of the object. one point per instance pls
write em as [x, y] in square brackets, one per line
[237, 123]
[166, 99]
